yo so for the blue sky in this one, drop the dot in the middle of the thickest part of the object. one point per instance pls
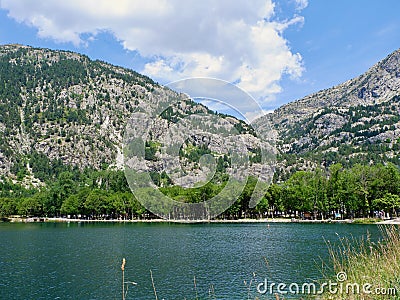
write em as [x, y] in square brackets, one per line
[277, 51]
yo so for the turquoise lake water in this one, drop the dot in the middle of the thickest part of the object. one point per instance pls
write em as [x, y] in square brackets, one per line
[82, 261]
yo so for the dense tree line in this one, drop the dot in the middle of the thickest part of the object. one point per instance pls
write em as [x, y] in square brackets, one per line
[360, 191]
[90, 194]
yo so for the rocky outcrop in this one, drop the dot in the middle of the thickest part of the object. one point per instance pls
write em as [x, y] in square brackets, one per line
[356, 121]
[60, 106]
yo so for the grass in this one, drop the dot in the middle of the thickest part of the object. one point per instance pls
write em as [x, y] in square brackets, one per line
[366, 221]
[373, 267]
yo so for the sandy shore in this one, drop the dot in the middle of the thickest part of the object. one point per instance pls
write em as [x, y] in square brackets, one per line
[32, 220]
[392, 221]
[264, 220]
[19, 219]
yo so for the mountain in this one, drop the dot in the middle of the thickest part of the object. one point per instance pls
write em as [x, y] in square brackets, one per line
[60, 110]
[69, 125]
[357, 121]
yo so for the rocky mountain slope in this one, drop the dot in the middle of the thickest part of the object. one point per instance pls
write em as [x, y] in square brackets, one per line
[356, 121]
[59, 108]
[379, 84]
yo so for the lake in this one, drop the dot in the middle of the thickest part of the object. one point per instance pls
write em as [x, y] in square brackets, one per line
[188, 261]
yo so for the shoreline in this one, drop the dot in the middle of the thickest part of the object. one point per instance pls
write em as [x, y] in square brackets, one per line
[238, 221]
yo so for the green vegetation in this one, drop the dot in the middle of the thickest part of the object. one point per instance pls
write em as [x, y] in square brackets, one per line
[60, 111]
[94, 194]
[103, 195]
[367, 221]
[338, 192]
[55, 98]
[370, 269]
[348, 136]
[358, 192]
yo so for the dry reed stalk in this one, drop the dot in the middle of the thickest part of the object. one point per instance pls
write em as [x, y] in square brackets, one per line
[152, 282]
[123, 278]
[195, 287]
[364, 261]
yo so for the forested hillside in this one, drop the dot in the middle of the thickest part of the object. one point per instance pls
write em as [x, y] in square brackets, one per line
[62, 123]
[63, 116]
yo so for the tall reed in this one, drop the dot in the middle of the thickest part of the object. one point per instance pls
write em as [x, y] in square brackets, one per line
[375, 266]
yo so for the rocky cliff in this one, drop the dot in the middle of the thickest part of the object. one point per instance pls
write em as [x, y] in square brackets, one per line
[356, 121]
[59, 108]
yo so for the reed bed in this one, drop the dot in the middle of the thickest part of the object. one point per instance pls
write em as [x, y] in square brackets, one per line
[368, 270]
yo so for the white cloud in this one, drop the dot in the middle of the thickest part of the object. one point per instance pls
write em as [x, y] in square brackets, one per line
[301, 4]
[254, 115]
[238, 41]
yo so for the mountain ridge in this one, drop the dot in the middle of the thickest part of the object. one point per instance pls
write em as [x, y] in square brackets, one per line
[354, 122]
[384, 77]
[60, 108]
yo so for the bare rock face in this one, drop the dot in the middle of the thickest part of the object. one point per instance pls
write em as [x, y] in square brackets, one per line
[356, 121]
[379, 84]
[61, 107]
